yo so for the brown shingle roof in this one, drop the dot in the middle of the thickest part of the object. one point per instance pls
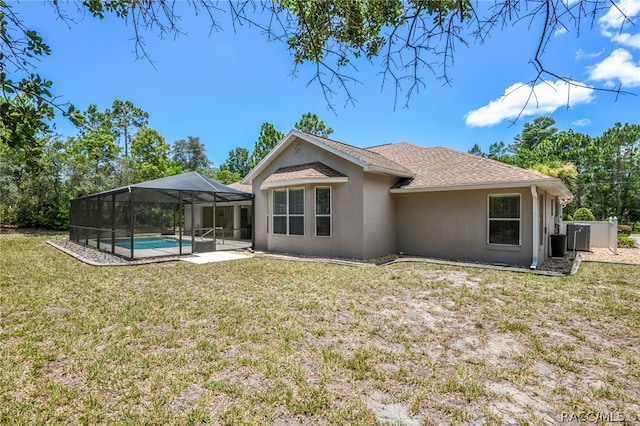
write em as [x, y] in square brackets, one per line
[445, 167]
[241, 187]
[421, 169]
[303, 171]
[369, 157]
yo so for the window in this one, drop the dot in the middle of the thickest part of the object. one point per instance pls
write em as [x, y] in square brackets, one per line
[280, 212]
[288, 211]
[296, 211]
[323, 211]
[504, 219]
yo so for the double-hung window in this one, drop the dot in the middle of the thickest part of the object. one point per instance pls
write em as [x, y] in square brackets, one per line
[288, 211]
[504, 219]
[323, 211]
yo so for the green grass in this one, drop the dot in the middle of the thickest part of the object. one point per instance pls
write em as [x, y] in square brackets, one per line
[259, 341]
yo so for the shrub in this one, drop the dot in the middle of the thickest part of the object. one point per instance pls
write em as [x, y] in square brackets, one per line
[625, 242]
[624, 230]
[583, 213]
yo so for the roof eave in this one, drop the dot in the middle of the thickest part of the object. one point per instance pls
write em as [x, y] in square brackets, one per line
[303, 181]
[554, 186]
[558, 188]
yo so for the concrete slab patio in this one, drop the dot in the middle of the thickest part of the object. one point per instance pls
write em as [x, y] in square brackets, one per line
[216, 256]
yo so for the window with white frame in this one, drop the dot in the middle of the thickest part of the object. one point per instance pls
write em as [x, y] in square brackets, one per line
[323, 211]
[504, 219]
[288, 211]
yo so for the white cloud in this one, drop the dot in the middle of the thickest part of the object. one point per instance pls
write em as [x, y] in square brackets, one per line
[581, 54]
[545, 99]
[560, 31]
[582, 122]
[627, 39]
[617, 66]
[617, 18]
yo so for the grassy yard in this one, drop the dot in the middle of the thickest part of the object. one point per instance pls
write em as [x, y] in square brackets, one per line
[273, 342]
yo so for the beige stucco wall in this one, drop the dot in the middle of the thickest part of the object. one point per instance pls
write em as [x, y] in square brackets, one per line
[379, 216]
[347, 208]
[453, 225]
[369, 221]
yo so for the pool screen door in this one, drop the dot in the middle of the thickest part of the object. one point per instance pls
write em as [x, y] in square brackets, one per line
[205, 238]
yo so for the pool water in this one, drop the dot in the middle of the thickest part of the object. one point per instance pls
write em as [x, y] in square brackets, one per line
[143, 243]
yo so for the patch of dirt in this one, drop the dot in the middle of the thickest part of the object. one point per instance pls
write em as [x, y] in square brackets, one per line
[389, 412]
[524, 370]
[456, 279]
[187, 400]
[494, 349]
[518, 403]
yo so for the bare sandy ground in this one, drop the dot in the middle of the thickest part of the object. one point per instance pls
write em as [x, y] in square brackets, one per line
[625, 255]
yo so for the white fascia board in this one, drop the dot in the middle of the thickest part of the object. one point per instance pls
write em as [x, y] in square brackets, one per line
[469, 187]
[303, 181]
[559, 189]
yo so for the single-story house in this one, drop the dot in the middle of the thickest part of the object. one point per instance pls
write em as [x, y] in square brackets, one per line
[320, 197]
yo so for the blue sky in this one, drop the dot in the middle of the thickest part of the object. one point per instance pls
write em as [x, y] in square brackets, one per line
[222, 86]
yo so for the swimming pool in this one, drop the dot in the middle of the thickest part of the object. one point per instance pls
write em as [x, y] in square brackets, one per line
[146, 243]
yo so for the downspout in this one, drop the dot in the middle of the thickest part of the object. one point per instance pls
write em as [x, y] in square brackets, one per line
[535, 228]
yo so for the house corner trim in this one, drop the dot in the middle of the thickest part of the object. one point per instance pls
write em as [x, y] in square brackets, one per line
[535, 228]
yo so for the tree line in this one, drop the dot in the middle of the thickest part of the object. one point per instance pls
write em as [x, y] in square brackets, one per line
[602, 172]
[39, 172]
[111, 148]
[116, 147]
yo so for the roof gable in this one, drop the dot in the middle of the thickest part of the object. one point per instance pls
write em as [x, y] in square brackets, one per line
[368, 160]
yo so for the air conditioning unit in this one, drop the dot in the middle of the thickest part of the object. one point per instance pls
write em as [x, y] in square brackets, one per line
[578, 236]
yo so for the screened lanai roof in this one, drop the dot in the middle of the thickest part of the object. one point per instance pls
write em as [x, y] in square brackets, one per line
[202, 187]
